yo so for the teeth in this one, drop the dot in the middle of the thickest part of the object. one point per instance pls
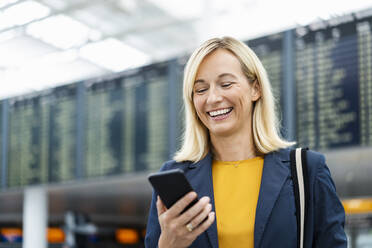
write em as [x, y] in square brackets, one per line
[219, 112]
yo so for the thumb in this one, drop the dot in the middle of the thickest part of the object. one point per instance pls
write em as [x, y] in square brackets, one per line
[160, 206]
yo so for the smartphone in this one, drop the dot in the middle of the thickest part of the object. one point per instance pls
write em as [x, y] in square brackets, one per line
[171, 185]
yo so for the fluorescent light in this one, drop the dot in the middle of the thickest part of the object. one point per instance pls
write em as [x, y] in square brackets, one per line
[8, 35]
[4, 3]
[61, 31]
[22, 13]
[129, 6]
[55, 58]
[181, 9]
[113, 55]
[50, 71]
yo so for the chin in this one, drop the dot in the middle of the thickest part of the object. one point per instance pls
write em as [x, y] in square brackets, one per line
[221, 131]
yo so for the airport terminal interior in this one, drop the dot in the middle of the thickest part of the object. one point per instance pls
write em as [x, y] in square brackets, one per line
[91, 104]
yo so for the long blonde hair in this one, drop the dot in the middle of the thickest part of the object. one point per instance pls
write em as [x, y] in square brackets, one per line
[265, 126]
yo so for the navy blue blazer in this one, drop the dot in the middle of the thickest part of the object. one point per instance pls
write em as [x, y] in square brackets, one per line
[275, 223]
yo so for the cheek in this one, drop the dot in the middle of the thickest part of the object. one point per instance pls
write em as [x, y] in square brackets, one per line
[245, 105]
[198, 105]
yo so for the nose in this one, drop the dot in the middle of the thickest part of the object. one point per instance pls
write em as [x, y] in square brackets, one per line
[214, 96]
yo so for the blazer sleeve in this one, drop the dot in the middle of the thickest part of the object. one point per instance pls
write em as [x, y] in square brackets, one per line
[153, 227]
[329, 212]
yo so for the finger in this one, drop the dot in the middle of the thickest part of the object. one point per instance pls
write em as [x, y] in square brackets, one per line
[160, 206]
[205, 225]
[181, 204]
[191, 213]
[201, 216]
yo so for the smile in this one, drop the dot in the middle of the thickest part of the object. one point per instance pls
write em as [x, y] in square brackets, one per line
[220, 112]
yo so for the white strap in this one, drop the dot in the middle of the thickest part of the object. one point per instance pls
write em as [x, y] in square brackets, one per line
[301, 189]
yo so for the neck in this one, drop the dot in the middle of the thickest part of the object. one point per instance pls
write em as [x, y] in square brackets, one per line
[233, 148]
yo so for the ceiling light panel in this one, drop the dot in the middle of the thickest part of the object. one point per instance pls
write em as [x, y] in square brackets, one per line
[56, 4]
[22, 13]
[103, 18]
[173, 32]
[139, 42]
[114, 55]
[159, 45]
[4, 3]
[34, 78]
[61, 31]
[8, 35]
[181, 9]
[19, 51]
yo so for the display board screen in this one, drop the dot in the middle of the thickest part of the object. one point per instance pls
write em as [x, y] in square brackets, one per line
[333, 80]
[28, 143]
[126, 123]
[269, 49]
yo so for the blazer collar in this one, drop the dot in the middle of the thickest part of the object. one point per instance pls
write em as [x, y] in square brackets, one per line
[200, 176]
[274, 174]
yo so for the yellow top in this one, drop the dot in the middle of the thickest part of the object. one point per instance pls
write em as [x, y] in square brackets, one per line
[236, 187]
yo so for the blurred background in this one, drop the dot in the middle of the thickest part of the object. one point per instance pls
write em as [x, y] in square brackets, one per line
[91, 94]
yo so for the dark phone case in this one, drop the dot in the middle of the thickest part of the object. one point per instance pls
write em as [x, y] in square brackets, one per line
[171, 185]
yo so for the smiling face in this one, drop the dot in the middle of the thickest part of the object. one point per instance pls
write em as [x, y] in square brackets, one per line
[223, 96]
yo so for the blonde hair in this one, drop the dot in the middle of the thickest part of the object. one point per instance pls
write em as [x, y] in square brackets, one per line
[265, 126]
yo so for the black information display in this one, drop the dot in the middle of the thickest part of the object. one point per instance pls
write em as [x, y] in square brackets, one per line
[332, 73]
[157, 116]
[178, 88]
[42, 137]
[270, 51]
[62, 133]
[126, 123]
[364, 31]
[104, 128]
[28, 141]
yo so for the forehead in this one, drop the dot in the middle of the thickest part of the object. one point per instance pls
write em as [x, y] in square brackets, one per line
[220, 61]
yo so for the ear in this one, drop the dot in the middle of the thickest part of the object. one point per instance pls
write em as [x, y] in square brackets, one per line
[256, 91]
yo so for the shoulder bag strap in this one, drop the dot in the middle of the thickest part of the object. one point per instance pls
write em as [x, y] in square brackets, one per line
[301, 189]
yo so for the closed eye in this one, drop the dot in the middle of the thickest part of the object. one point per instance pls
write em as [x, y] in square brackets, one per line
[226, 85]
[200, 90]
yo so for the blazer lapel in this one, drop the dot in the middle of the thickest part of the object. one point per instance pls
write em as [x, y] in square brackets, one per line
[200, 177]
[274, 175]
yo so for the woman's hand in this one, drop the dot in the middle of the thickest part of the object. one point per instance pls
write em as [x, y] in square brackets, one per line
[180, 230]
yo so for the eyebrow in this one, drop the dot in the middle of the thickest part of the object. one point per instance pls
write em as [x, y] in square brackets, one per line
[226, 75]
[219, 76]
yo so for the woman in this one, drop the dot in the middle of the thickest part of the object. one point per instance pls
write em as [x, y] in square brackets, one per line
[238, 164]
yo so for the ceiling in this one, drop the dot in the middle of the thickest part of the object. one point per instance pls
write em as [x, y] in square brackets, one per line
[44, 43]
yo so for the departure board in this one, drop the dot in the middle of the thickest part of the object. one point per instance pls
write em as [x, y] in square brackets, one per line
[364, 31]
[332, 72]
[104, 128]
[126, 123]
[269, 49]
[180, 116]
[62, 133]
[157, 114]
[28, 141]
